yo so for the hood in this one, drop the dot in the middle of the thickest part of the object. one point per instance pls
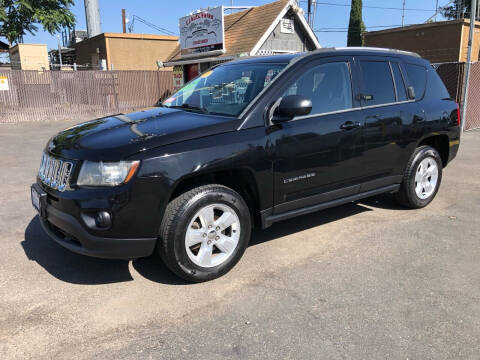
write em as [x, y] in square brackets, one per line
[116, 137]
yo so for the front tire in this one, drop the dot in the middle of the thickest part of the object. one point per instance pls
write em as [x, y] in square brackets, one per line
[421, 179]
[204, 232]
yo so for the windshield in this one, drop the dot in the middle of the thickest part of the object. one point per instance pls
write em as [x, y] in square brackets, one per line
[225, 90]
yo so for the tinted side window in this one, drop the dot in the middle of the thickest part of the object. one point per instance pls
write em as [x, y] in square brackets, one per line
[378, 82]
[435, 86]
[399, 84]
[327, 85]
[417, 75]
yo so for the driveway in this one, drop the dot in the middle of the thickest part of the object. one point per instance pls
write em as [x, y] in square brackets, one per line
[367, 280]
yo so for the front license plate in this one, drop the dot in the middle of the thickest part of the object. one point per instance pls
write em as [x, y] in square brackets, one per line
[38, 200]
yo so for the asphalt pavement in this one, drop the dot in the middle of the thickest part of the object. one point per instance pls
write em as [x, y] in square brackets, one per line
[367, 280]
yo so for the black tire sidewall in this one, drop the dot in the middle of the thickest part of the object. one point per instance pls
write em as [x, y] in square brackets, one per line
[190, 270]
[422, 154]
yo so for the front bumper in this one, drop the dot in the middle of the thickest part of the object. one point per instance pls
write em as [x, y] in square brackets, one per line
[70, 232]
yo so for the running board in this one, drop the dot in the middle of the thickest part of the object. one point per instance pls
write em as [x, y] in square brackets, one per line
[268, 219]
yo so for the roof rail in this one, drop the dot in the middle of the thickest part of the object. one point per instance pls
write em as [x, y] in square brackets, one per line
[365, 48]
[369, 48]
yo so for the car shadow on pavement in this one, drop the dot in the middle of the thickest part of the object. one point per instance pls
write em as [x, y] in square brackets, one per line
[68, 266]
[78, 269]
[153, 269]
[383, 201]
[304, 222]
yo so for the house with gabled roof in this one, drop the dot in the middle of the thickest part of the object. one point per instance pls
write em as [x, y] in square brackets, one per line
[276, 28]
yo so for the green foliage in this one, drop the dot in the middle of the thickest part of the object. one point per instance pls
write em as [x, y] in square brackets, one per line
[17, 17]
[461, 7]
[356, 27]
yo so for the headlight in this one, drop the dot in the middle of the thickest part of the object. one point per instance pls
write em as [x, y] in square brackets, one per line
[106, 173]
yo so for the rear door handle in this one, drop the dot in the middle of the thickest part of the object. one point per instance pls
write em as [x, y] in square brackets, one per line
[348, 125]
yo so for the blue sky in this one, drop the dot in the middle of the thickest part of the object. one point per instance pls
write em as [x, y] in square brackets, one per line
[165, 13]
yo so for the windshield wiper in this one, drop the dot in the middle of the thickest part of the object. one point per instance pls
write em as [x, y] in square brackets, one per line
[190, 107]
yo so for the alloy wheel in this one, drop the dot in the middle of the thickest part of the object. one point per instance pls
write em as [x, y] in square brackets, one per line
[212, 235]
[426, 178]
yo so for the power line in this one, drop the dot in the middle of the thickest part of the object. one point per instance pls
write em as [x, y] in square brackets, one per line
[373, 7]
[439, 9]
[153, 26]
[345, 30]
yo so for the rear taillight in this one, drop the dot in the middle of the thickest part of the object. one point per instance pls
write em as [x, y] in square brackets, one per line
[459, 120]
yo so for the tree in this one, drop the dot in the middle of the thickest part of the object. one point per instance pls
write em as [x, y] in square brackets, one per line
[17, 17]
[458, 9]
[356, 27]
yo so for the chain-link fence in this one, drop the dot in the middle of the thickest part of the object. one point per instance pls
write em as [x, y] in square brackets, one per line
[472, 113]
[83, 95]
[79, 95]
[453, 75]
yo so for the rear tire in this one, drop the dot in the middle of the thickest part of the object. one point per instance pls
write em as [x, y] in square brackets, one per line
[421, 179]
[204, 232]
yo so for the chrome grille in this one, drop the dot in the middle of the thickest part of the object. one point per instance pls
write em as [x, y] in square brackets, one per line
[55, 172]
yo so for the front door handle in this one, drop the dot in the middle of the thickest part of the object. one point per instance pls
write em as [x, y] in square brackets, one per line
[348, 125]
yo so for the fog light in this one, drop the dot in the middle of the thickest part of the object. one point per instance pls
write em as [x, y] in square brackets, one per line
[103, 219]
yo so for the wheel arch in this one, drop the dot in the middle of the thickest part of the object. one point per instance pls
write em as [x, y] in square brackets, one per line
[439, 142]
[242, 180]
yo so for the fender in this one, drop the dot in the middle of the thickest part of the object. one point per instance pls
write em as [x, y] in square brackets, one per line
[241, 149]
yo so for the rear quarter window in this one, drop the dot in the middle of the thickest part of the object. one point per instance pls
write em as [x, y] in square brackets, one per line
[417, 76]
[435, 86]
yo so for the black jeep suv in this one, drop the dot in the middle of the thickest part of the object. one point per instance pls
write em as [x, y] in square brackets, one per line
[246, 144]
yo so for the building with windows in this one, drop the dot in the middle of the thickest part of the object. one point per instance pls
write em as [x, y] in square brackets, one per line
[209, 37]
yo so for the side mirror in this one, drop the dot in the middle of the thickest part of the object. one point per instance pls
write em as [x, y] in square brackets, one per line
[291, 106]
[411, 93]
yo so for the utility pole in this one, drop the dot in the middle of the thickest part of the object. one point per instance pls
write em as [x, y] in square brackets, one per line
[92, 14]
[309, 12]
[403, 14]
[473, 16]
[436, 10]
[314, 13]
[124, 21]
[59, 52]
